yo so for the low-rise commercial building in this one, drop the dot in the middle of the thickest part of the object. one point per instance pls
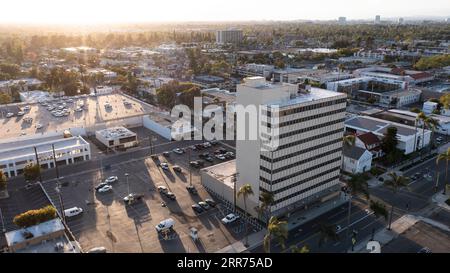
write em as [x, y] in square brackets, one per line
[117, 138]
[16, 154]
[46, 237]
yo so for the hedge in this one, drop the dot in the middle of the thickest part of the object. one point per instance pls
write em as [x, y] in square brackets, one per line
[34, 217]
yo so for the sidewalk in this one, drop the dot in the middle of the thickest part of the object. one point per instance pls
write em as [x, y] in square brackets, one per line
[254, 241]
[440, 199]
[398, 227]
[384, 236]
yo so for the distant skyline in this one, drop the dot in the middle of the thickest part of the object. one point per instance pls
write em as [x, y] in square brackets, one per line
[140, 11]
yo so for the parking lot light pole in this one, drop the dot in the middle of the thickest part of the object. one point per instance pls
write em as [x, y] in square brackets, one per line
[37, 162]
[190, 171]
[54, 161]
[58, 190]
[128, 184]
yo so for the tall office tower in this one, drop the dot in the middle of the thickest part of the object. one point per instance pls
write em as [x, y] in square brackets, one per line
[342, 20]
[400, 21]
[304, 168]
[377, 19]
[229, 36]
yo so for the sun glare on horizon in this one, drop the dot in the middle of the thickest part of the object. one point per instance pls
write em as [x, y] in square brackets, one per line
[93, 12]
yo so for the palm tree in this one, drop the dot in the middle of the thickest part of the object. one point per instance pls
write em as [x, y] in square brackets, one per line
[395, 182]
[444, 156]
[349, 140]
[327, 232]
[266, 202]
[422, 117]
[276, 229]
[378, 209]
[296, 249]
[245, 191]
[433, 124]
[356, 185]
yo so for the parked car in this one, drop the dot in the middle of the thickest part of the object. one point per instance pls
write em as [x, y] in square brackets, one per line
[211, 202]
[177, 168]
[229, 155]
[199, 146]
[214, 142]
[164, 166]
[101, 185]
[197, 208]
[8, 115]
[230, 218]
[424, 250]
[220, 151]
[171, 195]
[203, 155]
[20, 113]
[39, 126]
[192, 190]
[105, 188]
[178, 151]
[209, 159]
[165, 225]
[194, 164]
[73, 211]
[204, 205]
[132, 197]
[163, 189]
[166, 154]
[100, 249]
[221, 157]
[206, 145]
[26, 108]
[111, 179]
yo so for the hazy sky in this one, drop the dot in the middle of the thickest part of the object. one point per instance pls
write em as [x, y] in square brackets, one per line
[109, 11]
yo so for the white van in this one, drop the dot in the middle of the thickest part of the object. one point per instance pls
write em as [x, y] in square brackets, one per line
[72, 211]
[165, 225]
[99, 249]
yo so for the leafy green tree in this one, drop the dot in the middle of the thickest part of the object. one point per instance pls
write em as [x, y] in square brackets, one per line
[3, 180]
[327, 233]
[303, 249]
[31, 172]
[276, 229]
[34, 217]
[389, 144]
[5, 98]
[379, 209]
[245, 191]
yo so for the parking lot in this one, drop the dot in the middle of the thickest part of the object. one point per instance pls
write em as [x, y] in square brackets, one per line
[94, 112]
[107, 221]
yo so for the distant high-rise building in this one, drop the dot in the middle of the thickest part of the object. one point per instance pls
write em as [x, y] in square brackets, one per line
[447, 20]
[377, 19]
[342, 20]
[400, 21]
[229, 36]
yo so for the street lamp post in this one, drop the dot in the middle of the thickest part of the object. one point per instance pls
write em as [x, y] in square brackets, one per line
[3, 223]
[128, 184]
[37, 162]
[190, 171]
[61, 203]
[54, 161]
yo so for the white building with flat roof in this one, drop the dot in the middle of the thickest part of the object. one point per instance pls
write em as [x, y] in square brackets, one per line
[305, 166]
[46, 237]
[405, 134]
[117, 137]
[15, 155]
